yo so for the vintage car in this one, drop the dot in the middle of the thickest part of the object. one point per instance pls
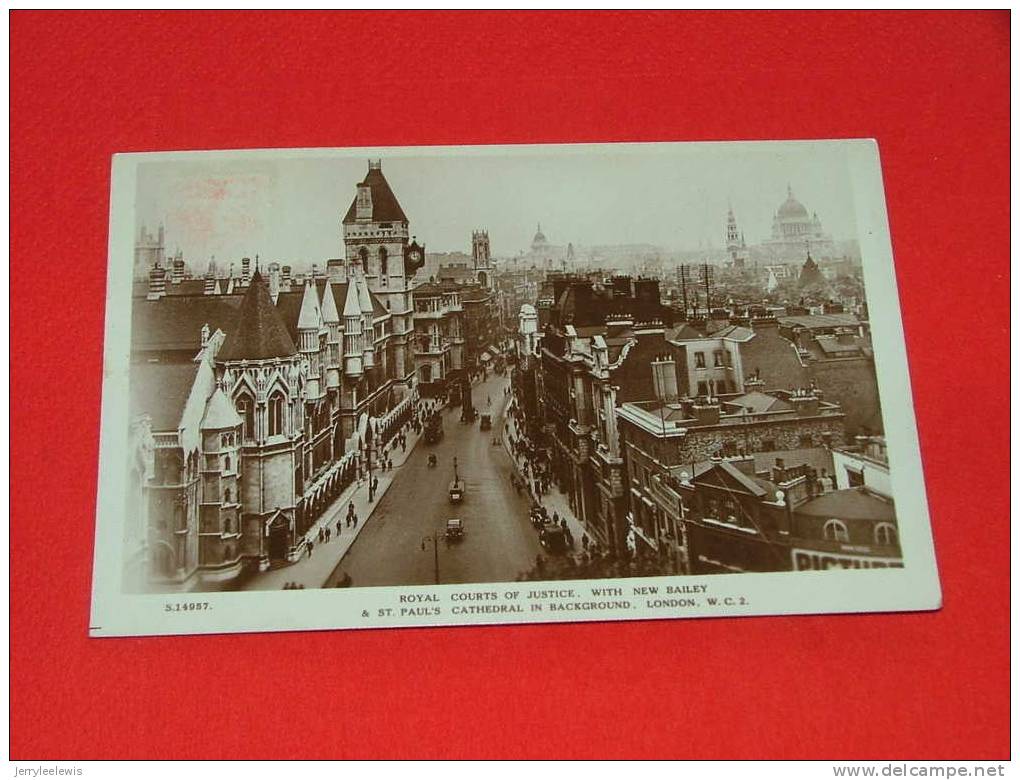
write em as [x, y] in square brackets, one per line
[486, 422]
[454, 528]
[538, 517]
[434, 429]
[457, 491]
[553, 539]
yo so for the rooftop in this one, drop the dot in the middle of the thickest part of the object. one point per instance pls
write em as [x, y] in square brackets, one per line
[385, 207]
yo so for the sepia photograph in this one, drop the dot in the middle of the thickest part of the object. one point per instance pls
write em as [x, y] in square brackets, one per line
[633, 367]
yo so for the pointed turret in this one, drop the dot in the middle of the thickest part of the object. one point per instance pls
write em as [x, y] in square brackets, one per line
[259, 332]
[219, 413]
[329, 310]
[331, 318]
[309, 326]
[353, 337]
[310, 318]
[367, 324]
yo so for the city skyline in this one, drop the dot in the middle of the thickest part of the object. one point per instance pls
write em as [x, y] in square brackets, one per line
[289, 209]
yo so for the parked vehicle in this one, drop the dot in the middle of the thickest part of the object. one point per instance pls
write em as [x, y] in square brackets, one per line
[486, 422]
[434, 429]
[553, 539]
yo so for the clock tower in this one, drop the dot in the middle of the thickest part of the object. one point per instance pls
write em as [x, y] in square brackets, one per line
[378, 250]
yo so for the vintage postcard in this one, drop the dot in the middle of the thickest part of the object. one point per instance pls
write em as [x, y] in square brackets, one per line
[360, 388]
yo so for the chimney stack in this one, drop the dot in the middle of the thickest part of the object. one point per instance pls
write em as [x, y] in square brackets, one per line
[177, 272]
[157, 283]
[779, 471]
[335, 270]
[285, 278]
[664, 379]
[705, 411]
[274, 281]
[246, 269]
[805, 402]
[363, 203]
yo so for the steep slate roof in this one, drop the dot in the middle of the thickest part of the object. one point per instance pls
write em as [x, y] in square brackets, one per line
[329, 310]
[259, 332]
[310, 317]
[756, 402]
[683, 332]
[219, 413]
[161, 390]
[734, 332]
[378, 309]
[175, 322]
[385, 207]
[753, 485]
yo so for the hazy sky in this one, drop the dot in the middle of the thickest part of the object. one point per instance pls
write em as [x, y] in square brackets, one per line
[289, 209]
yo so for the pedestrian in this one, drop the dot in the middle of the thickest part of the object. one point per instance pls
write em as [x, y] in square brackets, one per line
[311, 546]
[328, 533]
[338, 528]
[556, 518]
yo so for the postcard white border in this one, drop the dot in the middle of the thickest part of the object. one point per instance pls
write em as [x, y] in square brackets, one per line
[914, 587]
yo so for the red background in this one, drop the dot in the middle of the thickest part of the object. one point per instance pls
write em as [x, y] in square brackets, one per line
[932, 88]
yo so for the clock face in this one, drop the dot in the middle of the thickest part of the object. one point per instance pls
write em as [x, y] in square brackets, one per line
[415, 255]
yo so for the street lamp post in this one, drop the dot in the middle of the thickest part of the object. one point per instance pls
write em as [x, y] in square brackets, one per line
[434, 538]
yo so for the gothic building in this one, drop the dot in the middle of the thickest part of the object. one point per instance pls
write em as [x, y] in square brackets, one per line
[252, 402]
[482, 257]
[380, 250]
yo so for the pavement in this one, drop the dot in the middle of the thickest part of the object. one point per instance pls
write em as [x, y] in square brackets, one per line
[554, 500]
[314, 570]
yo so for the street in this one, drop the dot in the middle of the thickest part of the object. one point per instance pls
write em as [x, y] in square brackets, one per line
[499, 542]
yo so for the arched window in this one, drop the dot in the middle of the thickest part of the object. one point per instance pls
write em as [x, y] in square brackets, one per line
[835, 531]
[885, 533]
[276, 411]
[246, 411]
[226, 497]
[363, 259]
[228, 525]
[383, 260]
[226, 463]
